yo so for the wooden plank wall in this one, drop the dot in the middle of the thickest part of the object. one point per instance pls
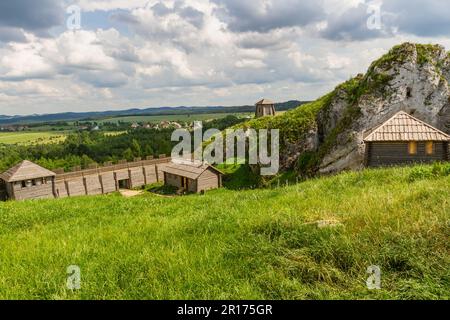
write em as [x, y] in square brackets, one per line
[208, 180]
[447, 147]
[93, 185]
[108, 182]
[192, 185]
[122, 175]
[44, 191]
[172, 180]
[150, 174]
[396, 153]
[137, 178]
[75, 187]
[61, 190]
[105, 179]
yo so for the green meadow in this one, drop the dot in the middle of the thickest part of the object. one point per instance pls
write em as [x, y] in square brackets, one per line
[28, 137]
[248, 244]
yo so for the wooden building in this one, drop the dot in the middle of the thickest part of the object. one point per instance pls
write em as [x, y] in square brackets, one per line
[27, 180]
[30, 181]
[192, 177]
[265, 107]
[404, 139]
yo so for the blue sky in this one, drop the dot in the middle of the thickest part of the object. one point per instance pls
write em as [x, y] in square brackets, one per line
[151, 53]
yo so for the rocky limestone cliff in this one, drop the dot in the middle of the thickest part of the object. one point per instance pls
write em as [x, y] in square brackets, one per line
[326, 136]
[411, 77]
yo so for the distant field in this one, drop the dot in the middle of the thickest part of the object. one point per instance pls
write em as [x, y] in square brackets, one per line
[27, 137]
[114, 133]
[183, 118]
[41, 137]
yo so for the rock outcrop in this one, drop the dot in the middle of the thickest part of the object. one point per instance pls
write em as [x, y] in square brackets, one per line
[411, 77]
[326, 136]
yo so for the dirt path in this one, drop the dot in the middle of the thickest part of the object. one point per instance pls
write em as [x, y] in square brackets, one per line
[130, 193]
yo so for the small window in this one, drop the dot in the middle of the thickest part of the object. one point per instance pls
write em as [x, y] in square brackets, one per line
[412, 148]
[409, 92]
[27, 183]
[429, 148]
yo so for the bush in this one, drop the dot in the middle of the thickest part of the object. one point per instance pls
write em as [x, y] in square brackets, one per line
[162, 189]
[422, 172]
[441, 169]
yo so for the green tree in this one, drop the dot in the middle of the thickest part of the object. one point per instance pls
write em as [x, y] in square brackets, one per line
[128, 154]
[86, 161]
[136, 148]
[148, 150]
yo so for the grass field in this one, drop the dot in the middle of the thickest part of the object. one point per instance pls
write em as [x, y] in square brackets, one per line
[41, 137]
[27, 137]
[254, 244]
[183, 118]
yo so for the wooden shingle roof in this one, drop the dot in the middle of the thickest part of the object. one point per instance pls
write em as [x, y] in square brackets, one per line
[26, 170]
[189, 170]
[264, 101]
[404, 127]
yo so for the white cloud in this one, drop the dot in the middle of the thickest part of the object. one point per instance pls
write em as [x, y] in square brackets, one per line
[24, 61]
[250, 63]
[199, 52]
[107, 5]
[84, 50]
[336, 62]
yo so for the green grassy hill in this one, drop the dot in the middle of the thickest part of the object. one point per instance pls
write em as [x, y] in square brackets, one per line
[254, 244]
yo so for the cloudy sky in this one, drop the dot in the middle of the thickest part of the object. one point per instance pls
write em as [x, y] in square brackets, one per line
[141, 53]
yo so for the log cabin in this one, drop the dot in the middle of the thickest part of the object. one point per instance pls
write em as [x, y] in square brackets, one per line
[192, 177]
[27, 180]
[404, 139]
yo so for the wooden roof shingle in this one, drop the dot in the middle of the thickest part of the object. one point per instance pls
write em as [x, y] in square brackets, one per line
[188, 169]
[264, 101]
[25, 170]
[404, 127]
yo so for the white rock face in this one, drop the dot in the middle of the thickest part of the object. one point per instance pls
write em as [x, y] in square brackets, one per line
[421, 89]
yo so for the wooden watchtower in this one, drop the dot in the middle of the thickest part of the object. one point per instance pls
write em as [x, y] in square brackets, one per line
[264, 108]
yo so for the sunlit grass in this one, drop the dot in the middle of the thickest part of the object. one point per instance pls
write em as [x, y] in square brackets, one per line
[253, 244]
[27, 137]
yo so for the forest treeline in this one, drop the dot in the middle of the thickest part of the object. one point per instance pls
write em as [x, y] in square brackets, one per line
[80, 149]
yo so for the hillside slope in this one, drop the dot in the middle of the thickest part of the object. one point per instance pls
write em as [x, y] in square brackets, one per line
[256, 244]
[326, 136]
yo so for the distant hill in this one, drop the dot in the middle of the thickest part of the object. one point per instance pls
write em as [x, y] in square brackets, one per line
[95, 115]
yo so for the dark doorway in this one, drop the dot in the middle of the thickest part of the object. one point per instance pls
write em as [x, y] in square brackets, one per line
[124, 184]
[3, 193]
[184, 183]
